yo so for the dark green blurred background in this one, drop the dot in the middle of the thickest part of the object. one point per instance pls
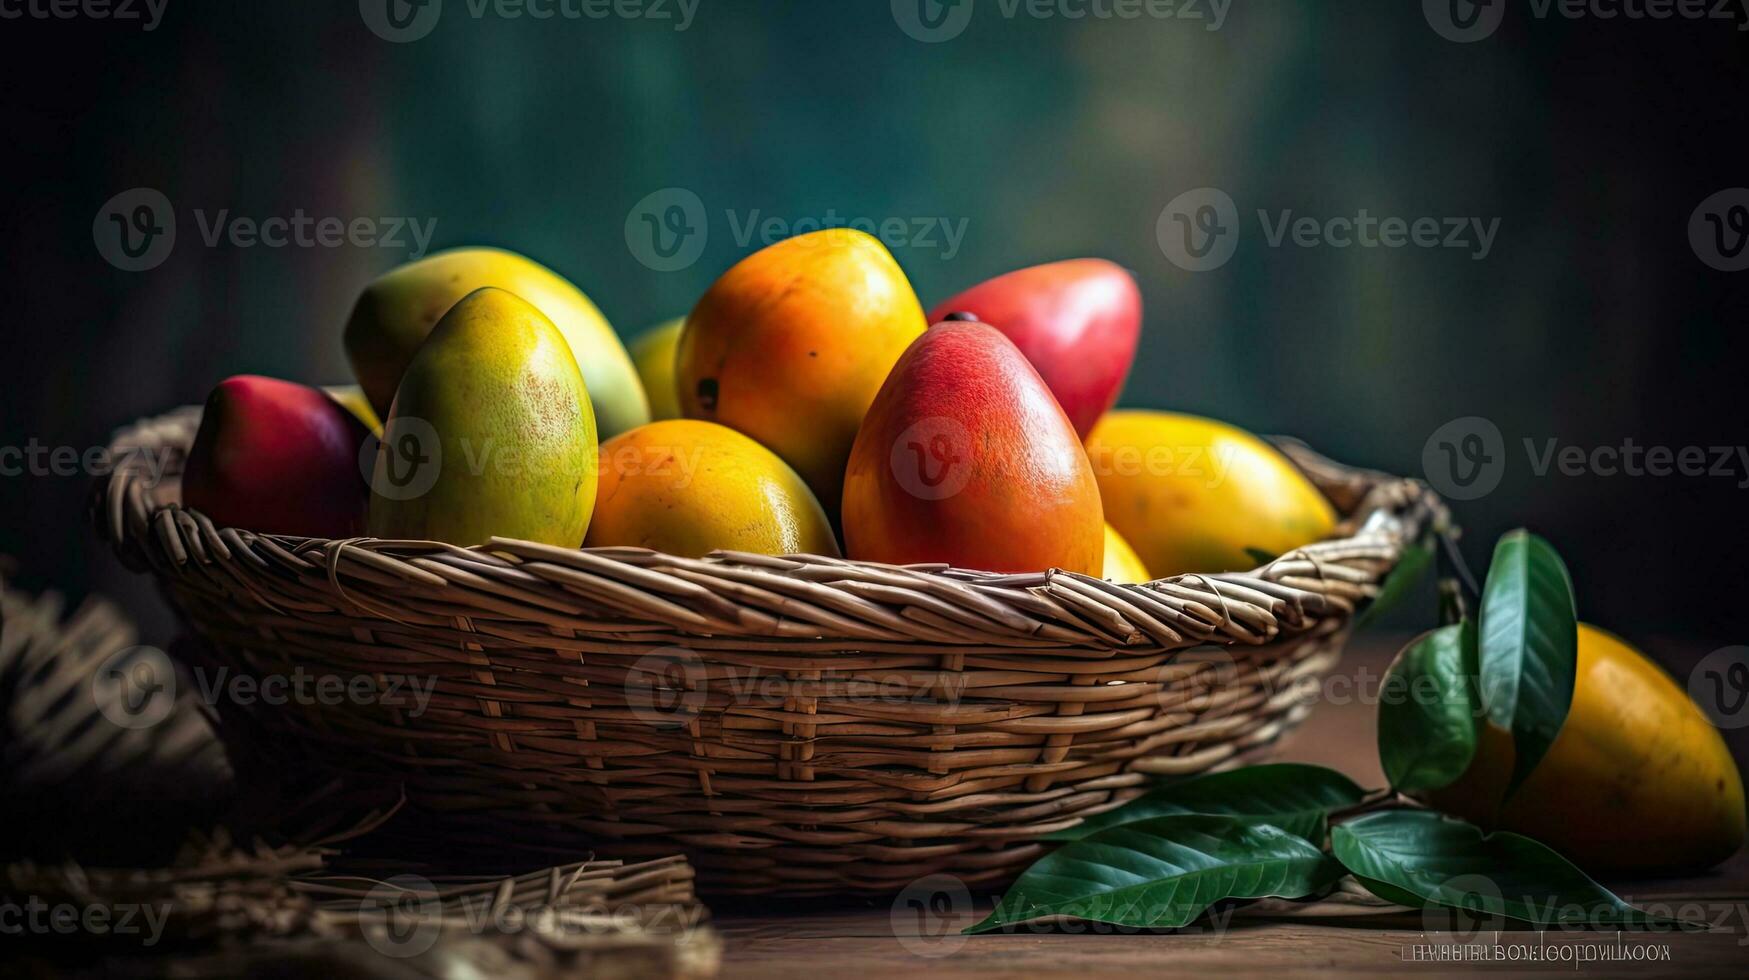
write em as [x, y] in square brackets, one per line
[1590, 321]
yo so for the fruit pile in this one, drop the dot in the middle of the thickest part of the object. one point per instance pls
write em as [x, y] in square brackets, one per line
[805, 405]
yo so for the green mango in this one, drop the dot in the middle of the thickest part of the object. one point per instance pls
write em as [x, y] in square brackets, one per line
[490, 433]
[397, 310]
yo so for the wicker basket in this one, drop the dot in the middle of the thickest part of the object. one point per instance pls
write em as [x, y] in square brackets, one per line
[797, 725]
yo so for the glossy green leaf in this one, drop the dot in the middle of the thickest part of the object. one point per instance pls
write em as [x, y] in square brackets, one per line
[1427, 710]
[1294, 797]
[1529, 643]
[1164, 873]
[1400, 582]
[1442, 861]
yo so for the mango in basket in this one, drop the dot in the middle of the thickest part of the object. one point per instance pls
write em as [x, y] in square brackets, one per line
[491, 433]
[688, 487]
[1195, 495]
[790, 345]
[277, 457]
[966, 458]
[1077, 321]
[653, 353]
[1638, 779]
[396, 313]
[1121, 562]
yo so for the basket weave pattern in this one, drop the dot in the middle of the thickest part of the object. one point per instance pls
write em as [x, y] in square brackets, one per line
[797, 725]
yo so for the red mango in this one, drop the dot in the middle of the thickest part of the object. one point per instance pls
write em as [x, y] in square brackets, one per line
[1077, 321]
[279, 458]
[964, 457]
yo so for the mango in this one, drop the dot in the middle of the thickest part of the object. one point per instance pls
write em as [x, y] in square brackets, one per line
[1077, 321]
[490, 433]
[396, 313]
[653, 354]
[279, 458]
[1195, 495]
[965, 458]
[1122, 565]
[790, 345]
[686, 487]
[1637, 780]
[352, 398]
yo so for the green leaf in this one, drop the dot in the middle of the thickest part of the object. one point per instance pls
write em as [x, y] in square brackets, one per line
[1294, 797]
[1442, 861]
[1427, 710]
[1163, 873]
[1410, 568]
[1529, 640]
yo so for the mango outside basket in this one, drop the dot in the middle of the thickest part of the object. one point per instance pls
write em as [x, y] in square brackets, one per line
[796, 725]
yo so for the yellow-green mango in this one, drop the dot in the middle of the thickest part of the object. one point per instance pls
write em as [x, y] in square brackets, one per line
[490, 433]
[397, 310]
[653, 353]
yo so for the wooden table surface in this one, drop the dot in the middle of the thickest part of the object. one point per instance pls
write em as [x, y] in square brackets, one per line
[824, 940]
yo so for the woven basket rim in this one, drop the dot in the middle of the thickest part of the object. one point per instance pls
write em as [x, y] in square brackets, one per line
[845, 599]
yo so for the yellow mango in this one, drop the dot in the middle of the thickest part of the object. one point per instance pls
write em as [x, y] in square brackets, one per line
[1638, 779]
